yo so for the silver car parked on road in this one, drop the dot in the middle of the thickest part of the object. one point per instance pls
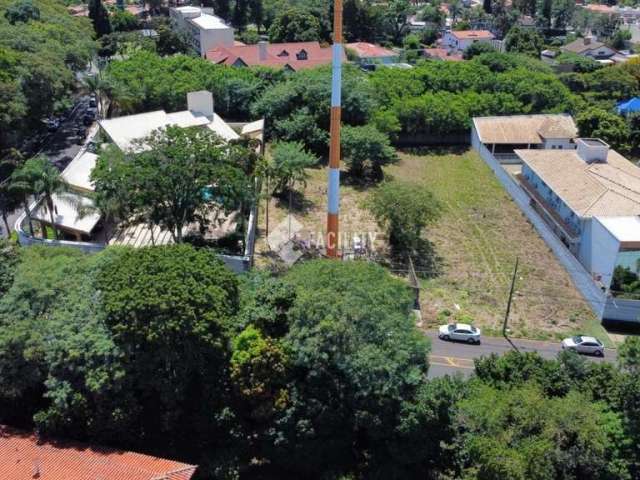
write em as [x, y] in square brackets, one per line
[582, 344]
[459, 331]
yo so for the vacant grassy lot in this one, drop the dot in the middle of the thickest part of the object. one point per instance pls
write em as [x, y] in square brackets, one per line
[476, 241]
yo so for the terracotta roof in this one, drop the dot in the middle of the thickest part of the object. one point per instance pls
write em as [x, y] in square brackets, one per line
[524, 129]
[369, 50]
[598, 8]
[277, 55]
[25, 457]
[443, 54]
[472, 34]
[611, 188]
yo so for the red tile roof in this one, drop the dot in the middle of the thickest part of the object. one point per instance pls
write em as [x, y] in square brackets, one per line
[599, 8]
[471, 34]
[278, 55]
[369, 50]
[443, 54]
[25, 457]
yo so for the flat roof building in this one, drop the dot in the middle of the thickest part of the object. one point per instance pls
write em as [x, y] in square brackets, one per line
[204, 29]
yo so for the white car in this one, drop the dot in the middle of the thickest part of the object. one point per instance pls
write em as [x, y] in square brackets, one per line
[459, 331]
[582, 344]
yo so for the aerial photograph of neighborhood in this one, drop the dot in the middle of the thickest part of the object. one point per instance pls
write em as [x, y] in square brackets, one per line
[319, 239]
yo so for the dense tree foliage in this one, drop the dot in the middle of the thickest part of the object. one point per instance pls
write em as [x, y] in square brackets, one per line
[41, 46]
[163, 83]
[298, 109]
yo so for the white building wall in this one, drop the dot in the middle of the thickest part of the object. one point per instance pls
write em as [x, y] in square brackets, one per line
[211, 38]
[603, 252]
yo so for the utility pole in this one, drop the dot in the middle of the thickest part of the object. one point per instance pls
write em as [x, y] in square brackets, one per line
[333, 204]
[513, 284]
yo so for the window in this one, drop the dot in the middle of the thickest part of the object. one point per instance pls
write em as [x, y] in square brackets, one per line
[302, 55]
[283, 53]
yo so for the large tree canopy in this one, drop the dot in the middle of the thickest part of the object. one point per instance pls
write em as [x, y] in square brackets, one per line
[181, 176]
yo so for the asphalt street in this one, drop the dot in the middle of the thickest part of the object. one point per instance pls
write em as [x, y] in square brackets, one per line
[448, 358]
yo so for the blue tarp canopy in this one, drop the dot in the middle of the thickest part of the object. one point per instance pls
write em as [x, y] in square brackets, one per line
[629, 106]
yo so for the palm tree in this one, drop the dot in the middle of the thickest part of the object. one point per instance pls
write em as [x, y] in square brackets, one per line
[21, 185]
[45, 181]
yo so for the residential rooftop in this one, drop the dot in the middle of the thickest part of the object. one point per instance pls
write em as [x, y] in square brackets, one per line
[78, 172]
[581, 45]
[125, 131]
[606, 188]
[295, 55]
[472, 34]
[369, 50]
[524, 129]
[24, 456]
[624, 229]
[72, 212]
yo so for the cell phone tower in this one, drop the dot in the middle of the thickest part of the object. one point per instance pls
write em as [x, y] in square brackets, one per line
[333, 205]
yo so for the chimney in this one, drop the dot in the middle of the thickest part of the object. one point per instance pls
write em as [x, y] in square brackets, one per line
[262, 50]
[587, 40]
[592, 150]
[200, 103]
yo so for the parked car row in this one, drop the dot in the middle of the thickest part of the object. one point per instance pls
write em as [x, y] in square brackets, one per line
[462, 332]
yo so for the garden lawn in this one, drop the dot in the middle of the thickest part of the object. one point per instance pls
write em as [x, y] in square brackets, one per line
[479, 235]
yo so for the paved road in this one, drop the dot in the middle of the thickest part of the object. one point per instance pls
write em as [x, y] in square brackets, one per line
[60, 147]
[448, 358]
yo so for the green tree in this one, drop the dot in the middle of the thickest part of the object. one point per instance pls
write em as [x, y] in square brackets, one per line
[477, 48]
[240, 14]
[355, 358]
[404, 210]
[294, 25]
[412, 47]
[525, 41]
[100, 17]
[288, 164]
[520, 434]
[397, 19]
[174, 180]
[365, 150]
[598, 123]
[123, 21]
[170, 310]
[22, 11]
[45, 182]
[9, 256]
[629, 354]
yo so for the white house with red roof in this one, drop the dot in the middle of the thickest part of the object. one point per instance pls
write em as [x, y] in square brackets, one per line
[463, 39]
[368, 53]
[293, 56]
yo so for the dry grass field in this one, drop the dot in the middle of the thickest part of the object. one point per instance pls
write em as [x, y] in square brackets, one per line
[476, 240]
